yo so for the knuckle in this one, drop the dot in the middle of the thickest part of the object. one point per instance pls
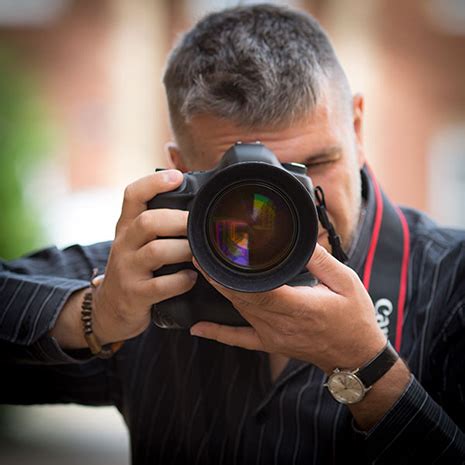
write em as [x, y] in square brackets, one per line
[121, 227]
[320, 259]
[154, 289]
[242, 304]
[263, 299]
[145, 221]
[115, 247]
[177, 219]
[183, 217]
[128, 193]
[225, 339]
[154, 250]
[118, 227]
[185, 248]
[352, 278]
[186, 283]
[319, 326]
[117, 252]
[286, 327]
[125, 287]
[300, 313]
[217, 335]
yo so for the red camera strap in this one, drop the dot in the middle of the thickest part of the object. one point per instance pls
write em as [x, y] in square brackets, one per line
[386, 267]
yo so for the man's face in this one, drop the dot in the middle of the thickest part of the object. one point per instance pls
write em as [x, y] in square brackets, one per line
[328, 142]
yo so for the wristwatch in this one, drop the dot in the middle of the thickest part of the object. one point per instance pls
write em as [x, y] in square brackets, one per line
[350, 387]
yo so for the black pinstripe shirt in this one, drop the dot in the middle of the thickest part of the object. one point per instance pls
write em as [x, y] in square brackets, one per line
[188, 400]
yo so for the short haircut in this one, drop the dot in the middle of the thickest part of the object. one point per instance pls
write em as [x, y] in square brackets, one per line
[257, 66]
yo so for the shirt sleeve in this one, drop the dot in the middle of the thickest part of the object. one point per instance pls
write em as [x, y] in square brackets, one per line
[427, 425]
[415, 430]
[33, 291]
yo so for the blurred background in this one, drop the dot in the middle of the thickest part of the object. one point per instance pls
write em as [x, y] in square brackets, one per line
[82, 114]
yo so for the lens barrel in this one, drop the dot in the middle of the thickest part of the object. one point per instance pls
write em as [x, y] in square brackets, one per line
[253, 226]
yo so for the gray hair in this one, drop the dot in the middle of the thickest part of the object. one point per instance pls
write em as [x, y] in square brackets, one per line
[259, 65]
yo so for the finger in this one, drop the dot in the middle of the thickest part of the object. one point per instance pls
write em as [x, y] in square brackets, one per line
[161, 252]
[228, 293]
[137, 194]
[270, 301]
[330, 271]
[167, 286]
[151, 224]
[244, 337]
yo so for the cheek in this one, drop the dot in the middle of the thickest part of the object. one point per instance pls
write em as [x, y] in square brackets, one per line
[342, 200]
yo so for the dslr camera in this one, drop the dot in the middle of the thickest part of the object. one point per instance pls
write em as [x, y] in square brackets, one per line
[252, 227]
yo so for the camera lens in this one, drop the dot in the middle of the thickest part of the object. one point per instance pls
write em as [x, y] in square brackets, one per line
[251, 226]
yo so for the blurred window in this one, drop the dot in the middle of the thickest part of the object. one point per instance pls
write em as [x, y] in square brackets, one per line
[31, 12]
[446, 186]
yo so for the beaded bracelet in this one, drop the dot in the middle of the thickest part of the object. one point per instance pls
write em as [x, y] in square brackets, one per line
[95, 347]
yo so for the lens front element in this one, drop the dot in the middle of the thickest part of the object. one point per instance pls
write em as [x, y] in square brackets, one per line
[251, 226]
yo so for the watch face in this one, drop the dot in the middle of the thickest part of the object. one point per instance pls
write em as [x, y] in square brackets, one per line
[346, 387]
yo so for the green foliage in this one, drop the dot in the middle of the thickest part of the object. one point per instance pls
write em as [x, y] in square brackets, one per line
[23, 142]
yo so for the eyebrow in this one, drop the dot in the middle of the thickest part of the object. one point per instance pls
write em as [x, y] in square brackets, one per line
[322, 154]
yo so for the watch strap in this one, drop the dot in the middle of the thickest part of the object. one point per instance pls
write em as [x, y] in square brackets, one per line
[378, 366]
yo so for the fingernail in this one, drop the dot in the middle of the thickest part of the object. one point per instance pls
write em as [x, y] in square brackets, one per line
[192, 275]
[171, 176]
[196, 332]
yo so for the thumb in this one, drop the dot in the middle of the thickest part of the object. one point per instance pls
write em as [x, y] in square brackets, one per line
[329, 271]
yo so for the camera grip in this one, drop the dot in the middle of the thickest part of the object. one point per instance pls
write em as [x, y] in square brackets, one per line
[204, 303]
[176, 200]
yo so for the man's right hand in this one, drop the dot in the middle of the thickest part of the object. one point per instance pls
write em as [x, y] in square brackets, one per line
[122, 303]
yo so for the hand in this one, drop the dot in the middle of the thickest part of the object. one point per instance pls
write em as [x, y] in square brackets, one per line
[331, 325]
[123, 301]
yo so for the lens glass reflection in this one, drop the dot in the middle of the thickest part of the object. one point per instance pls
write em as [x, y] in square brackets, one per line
[251, 226]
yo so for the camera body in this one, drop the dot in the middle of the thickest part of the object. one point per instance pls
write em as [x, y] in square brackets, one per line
[252, 227]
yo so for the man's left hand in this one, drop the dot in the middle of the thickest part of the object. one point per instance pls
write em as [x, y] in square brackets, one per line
[331, 325]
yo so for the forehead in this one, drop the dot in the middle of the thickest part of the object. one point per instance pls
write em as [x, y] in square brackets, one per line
[209, 136]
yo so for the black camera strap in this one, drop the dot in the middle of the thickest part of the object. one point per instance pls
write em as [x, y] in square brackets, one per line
[333, 237]
[386, 265]
[384, 274]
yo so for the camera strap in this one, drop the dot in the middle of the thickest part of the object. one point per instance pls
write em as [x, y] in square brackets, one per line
[333, 237]
[386, 265]
[384, 274]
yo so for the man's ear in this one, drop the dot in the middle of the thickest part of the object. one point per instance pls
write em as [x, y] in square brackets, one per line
[175, 157]
[358, 105]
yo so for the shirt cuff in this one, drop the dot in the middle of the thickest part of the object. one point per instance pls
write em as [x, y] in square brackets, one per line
[414, 426]
[47, 350]
[32, 305]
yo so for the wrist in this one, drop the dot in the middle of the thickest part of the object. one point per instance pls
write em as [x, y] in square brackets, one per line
[95, 345]
[104, 326]
[351, 386]
[357, 355]
[67, 329]
[381, 398]
[111, 320]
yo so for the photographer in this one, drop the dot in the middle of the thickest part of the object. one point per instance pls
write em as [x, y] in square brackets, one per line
[272, 392]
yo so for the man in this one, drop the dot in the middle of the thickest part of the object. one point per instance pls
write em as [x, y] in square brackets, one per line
[260, 394]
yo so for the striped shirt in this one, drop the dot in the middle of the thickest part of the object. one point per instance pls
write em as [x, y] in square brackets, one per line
[193, 401]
